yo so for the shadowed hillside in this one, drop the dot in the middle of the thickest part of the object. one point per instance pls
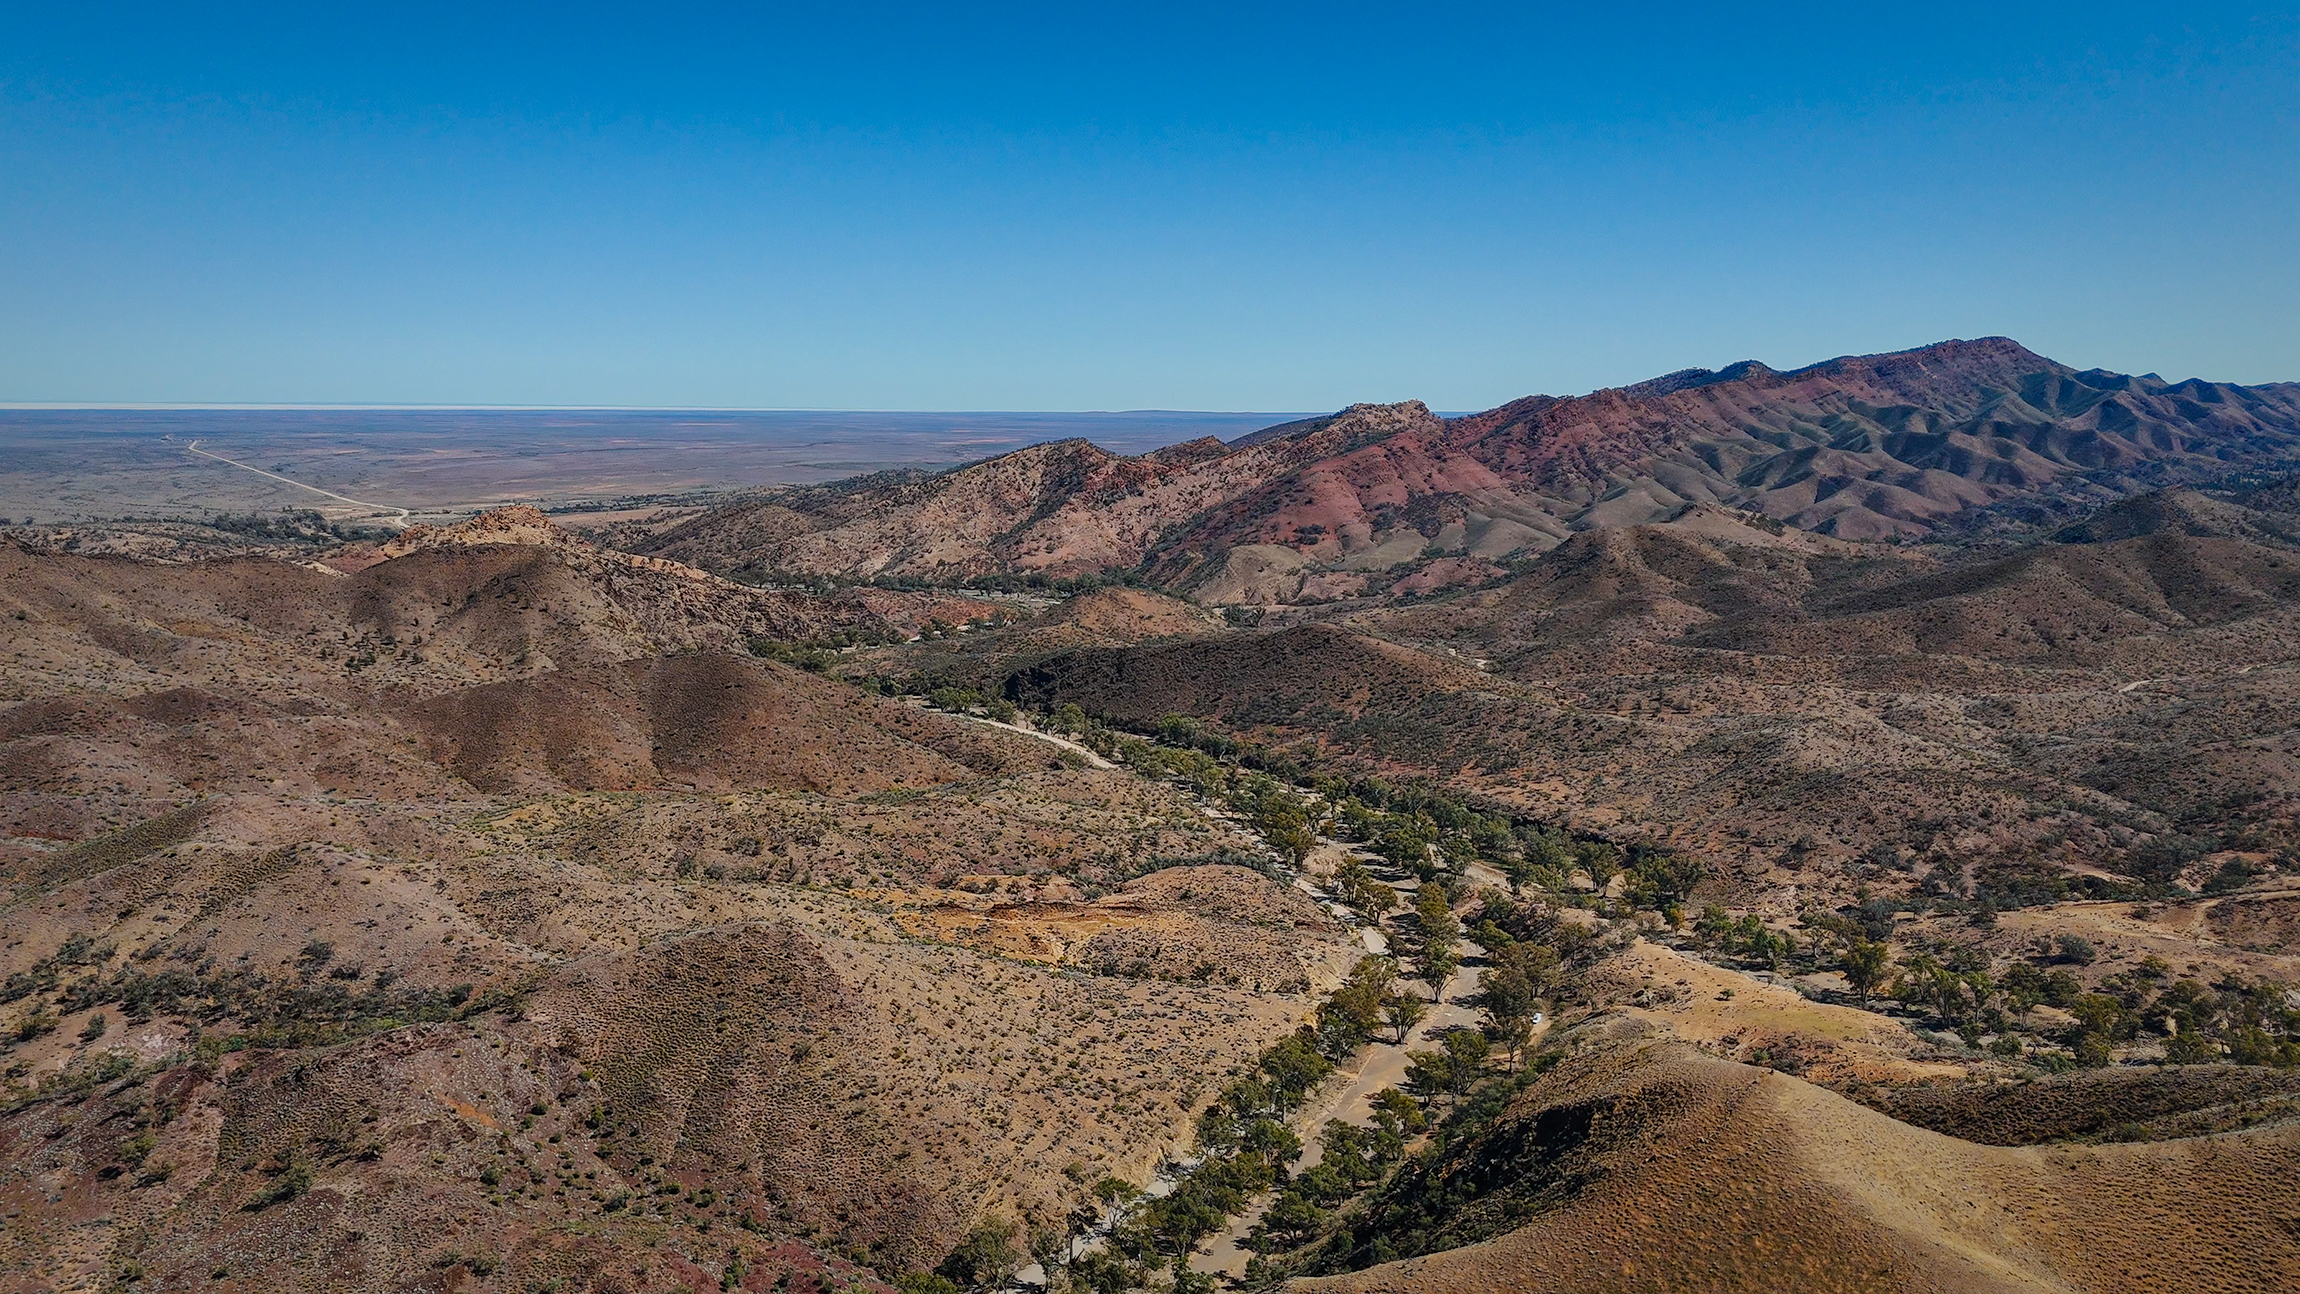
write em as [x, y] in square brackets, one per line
[1654, 1168]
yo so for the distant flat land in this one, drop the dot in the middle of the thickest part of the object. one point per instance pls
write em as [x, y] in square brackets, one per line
[69, 465]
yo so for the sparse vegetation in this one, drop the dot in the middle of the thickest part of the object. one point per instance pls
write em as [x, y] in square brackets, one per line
[543, 884]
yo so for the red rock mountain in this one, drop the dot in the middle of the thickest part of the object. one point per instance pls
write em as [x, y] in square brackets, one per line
[1382, 497]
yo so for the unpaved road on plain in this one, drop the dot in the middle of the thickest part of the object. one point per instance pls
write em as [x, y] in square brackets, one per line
[400, 520]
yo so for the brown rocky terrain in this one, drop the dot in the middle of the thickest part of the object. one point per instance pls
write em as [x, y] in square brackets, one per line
[490, 916]
[1646, 1166]
[1959, 437]
[1066, 507]
[1113, 616]
[1806, 712]
[1977, 747]
[1885, 776]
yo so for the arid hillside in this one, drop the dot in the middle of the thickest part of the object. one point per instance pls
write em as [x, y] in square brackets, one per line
[1828, 830]
[491, 916]
[1807, 713]
[1958, 438]
[1648, 1166]
[1063, 508]
[1114, 616]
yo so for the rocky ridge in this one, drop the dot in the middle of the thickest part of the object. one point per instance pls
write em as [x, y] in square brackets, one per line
[1377, 498]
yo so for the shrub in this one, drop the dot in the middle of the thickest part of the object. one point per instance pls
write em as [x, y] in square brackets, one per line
[292, 1182]
[956, 700]
[984, 1258]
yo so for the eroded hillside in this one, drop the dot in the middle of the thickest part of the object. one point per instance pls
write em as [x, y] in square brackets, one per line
[491, 914]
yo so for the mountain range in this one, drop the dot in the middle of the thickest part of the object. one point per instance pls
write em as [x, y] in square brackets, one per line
[1945, 441]
[1833, 830]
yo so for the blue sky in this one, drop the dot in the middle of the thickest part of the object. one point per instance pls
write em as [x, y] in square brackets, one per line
[1074, 207]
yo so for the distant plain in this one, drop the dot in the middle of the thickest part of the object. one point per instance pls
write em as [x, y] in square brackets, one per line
[64, 466]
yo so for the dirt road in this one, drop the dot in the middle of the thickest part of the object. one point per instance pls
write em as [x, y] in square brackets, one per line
[400, 520]
[1092, 760]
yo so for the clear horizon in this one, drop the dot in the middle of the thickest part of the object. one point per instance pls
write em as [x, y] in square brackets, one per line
[1165, 208]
